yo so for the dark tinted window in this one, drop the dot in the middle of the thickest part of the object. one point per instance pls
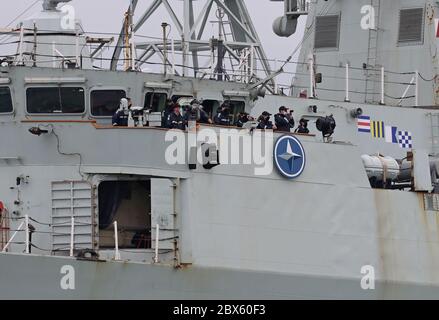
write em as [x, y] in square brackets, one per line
[211, 107]
[105, 102]
[5, 100]
[155, 101]
[236, 107]
[55, 100]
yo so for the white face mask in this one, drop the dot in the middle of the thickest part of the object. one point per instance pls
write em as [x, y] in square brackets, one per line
[123, 104]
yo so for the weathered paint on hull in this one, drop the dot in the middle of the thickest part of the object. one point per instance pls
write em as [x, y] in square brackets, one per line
[38, 277]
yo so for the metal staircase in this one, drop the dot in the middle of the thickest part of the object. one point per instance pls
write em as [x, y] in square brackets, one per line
[371, 71]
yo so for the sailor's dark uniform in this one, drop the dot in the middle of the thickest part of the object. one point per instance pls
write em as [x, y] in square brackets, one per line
[241, 121]
[120, 118]
[302, 129]
[283, 123]
[222, 119]
[265, 125]
[175, 121]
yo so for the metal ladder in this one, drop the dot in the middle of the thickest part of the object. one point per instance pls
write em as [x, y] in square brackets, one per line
[372, 75]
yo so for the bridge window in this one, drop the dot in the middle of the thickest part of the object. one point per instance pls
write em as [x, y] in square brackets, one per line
[327, 32]
[55, 100]
[236, 108]
[211, 107]
[104, 103]
[155, 101]
[5, 100]
[411, 26]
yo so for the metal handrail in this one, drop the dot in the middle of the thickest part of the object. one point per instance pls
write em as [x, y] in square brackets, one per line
[13, 236]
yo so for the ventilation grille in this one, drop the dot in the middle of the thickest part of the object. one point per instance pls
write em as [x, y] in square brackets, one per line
[327, 32]
[72, 199]
[411, 26]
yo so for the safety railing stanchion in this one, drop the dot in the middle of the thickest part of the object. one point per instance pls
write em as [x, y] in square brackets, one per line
[26, 222]
[157, 233]
[382, 86]
[116, 242]
[72, 236]
[347, 83]
[311, 77]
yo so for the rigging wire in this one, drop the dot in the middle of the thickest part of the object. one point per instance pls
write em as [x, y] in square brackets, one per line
[18, 17]
[426, 80]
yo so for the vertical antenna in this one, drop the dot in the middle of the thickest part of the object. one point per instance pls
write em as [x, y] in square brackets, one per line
[165, 49]
[128, 32]
[20, 61]
[77, 48]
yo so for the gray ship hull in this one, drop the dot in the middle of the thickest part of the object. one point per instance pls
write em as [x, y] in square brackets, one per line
[33, 277]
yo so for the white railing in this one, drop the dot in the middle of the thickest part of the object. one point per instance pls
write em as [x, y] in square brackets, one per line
[380, 74]
[26, 223]
[346, 99]
[156, 254]
[26, 227]
[72, 237]
[249, 65]
[116, 242]
[27, 231]
[382, 101]
[13, 236]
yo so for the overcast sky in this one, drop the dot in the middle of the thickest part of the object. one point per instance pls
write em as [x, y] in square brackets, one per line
[107, 15]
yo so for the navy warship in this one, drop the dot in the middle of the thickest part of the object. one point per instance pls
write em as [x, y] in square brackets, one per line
[349, 210]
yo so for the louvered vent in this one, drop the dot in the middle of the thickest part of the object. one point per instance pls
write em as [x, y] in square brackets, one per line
[327, 32]
[411, 26]
[431, 202]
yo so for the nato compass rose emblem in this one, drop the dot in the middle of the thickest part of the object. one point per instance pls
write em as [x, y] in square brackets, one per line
[289, 157]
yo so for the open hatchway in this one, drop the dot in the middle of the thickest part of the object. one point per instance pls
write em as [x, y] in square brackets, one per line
[138, 205]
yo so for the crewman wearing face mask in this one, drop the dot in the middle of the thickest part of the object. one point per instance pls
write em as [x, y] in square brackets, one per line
[120, 118]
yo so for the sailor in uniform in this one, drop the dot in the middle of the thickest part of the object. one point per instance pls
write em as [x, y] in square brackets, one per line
[175, 119]
[196, 112]
[204, 116]
[243, 118]
[264, 122]
[303, 127]
[168, 109]
[223, 116]
[284, 120]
